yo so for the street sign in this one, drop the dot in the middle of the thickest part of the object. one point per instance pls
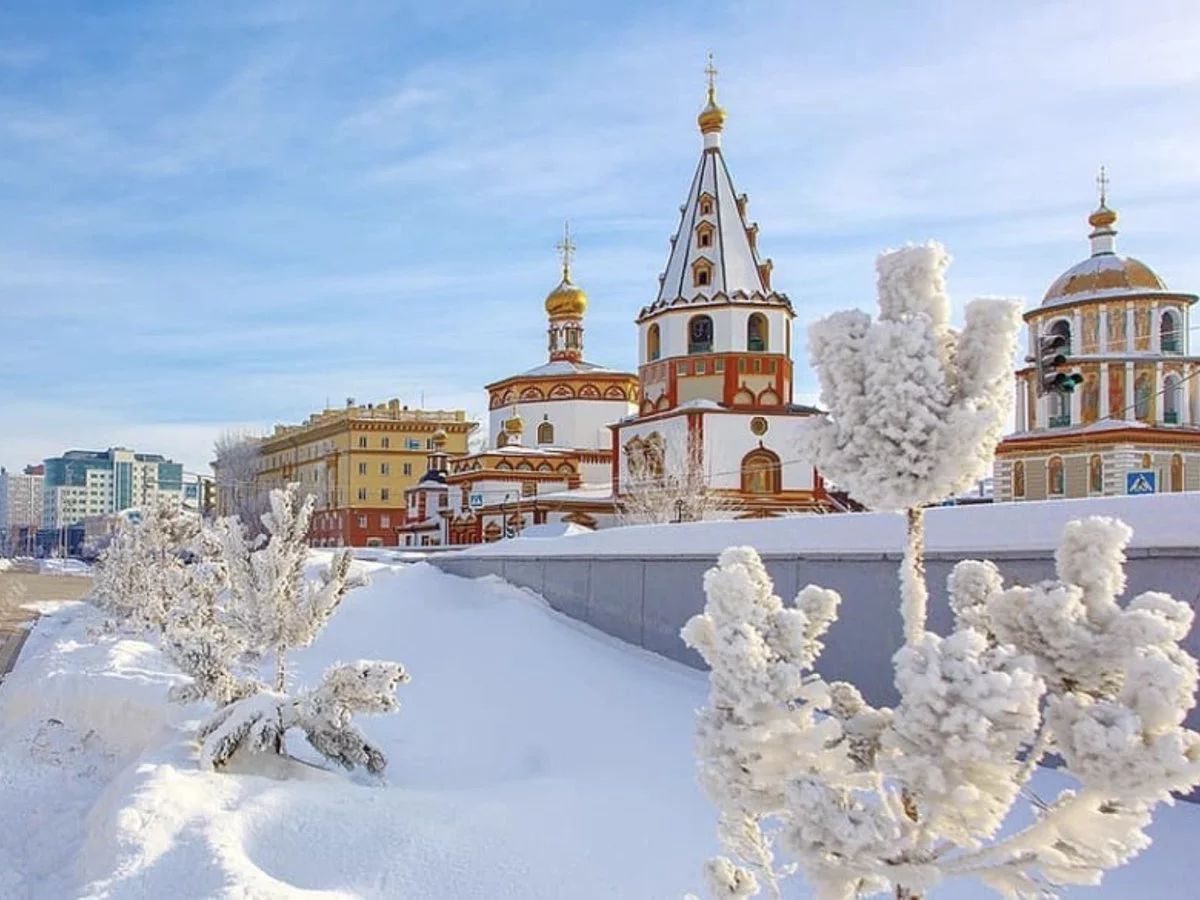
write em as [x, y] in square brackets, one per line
[1140, 481]
[475, 501]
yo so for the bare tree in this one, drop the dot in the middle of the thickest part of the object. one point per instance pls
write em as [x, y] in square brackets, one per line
[667, 483]
[235, 468]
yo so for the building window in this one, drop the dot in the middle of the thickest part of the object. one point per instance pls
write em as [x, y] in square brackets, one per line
[362, 493]
[1171, 400]
[1096, 474]
[362, 521]
[385, 493]
[385, 442]
[701, 367]
[700, 334]
[362, 468]
[385, 521]
[756, 333]
[385, 468]
[704, 234]
[702, 276]
[408, 468]
[1018, 478]
[653, 343]
[362, 442]
[1170, 335]
[760, 472]
[719, 365]
[545, 433]
[1176, 472]
[413, 443]
[1056, 484]
[706, 205]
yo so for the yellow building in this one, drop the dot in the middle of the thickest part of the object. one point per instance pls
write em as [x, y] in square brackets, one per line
[1131, 424]
[358, 461]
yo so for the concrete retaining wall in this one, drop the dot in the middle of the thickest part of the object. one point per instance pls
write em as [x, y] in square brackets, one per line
[645, 600]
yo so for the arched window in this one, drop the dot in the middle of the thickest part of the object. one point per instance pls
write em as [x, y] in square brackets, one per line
[756, 333]
[1018, 478]
[545, 434]
[1171, 399]
[1056, 484]
[761, 472]
[1177, 472]
[700, 334]
[1170, 335]
[1063, 327]
[1096, 474]
[1143, 392]
[653, 343]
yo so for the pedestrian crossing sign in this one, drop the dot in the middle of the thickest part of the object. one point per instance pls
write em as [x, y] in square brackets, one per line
[1140, 481]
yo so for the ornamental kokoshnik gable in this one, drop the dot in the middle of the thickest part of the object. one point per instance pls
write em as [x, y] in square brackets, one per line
[715, 363]
[1131, 424]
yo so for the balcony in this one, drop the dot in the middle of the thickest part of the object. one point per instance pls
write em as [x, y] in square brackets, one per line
[1063, 421]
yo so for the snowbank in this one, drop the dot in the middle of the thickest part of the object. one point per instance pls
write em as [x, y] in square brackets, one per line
[64, 567]
[532, 757]
[1159, 520]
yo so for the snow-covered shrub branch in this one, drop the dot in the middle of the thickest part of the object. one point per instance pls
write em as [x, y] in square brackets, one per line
[221, 601]
[865, 799]
[915, 408]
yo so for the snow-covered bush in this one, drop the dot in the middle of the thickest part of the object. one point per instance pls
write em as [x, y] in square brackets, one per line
[866, 800]
[137, 574]
[915, 408]
[271, 608]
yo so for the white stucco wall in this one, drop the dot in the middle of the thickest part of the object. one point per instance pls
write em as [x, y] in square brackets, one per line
[578, 424]
[729, 329]
[727, 440]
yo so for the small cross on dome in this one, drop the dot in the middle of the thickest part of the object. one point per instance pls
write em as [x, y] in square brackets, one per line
[711, 71]
[1102, 183]
[566, 249]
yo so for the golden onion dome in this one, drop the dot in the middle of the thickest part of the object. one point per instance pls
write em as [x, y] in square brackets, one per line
[1102, 218]
[568, 299]
[712, 117]
[1107, 273]
[515, 425]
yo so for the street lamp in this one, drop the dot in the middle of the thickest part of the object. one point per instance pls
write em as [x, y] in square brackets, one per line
[679, 510]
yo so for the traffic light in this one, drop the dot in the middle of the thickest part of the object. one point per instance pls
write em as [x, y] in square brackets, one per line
[1051, 357]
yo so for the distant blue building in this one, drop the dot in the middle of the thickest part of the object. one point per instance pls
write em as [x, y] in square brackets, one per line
[81, 484]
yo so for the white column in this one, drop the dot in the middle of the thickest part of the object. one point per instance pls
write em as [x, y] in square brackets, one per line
[1103, 338]
[1102, 410]
[1158, 384]
[1130, 413]
[1077, 406]
[1076, 332]
[1155, 330]
[1129, 338]
[1185, 398]
[1020, 421]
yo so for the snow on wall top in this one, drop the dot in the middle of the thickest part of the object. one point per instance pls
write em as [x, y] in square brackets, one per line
[1160, 520]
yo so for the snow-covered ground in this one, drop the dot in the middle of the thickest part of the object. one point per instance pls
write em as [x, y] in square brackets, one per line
[532, 757]
[1158, 520]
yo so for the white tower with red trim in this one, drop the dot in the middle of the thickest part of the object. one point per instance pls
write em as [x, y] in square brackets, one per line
[714, 352]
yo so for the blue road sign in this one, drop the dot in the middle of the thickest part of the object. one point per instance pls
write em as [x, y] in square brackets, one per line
[1140, 481]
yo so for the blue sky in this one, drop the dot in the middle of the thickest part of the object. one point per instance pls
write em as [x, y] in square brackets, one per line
[218, 215]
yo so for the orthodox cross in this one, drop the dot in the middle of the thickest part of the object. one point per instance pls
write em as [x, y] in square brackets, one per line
[711, 71]
[1102, 183]
[566, 249]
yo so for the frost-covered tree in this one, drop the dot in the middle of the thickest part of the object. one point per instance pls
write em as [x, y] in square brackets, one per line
[136, 576]
[667, 482]
[867, 800]
[272, 606]
[915, 408]
[236, 460]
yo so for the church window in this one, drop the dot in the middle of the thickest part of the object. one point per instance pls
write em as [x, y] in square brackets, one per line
[1171, 400]
[742, 366]
[545, 433]
[1176, 472]
[758, 365]
[756, 333]
[1096, 474]
[706, 205]
[700, 334]
[761, 472]
[653, 342]
[719, 365]
[771, 366]
[1169, 332]
[1056, 484]
[701, 368]
[681, 368]
[704, 234]
[701, 276]
[1018, 478]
